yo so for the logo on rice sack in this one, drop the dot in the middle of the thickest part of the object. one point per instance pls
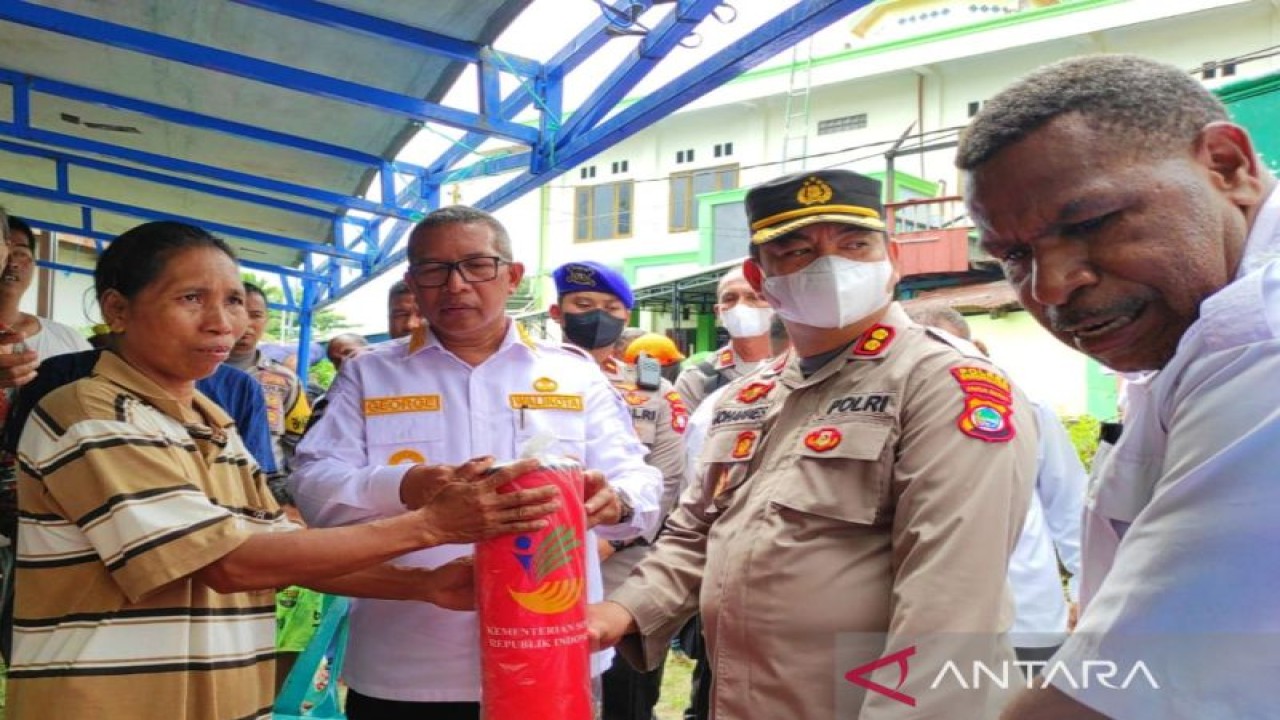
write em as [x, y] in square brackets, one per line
[541, 560]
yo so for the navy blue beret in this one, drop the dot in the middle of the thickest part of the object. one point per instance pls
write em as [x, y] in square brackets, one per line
[590, 276]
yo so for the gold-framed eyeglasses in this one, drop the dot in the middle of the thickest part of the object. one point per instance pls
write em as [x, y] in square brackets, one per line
[472, 270]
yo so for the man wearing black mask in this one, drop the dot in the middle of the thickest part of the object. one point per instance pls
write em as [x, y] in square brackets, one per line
[593, 309]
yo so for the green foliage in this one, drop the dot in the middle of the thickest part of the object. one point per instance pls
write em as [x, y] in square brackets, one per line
[1083, 431]
[322, 373]
[324, 324]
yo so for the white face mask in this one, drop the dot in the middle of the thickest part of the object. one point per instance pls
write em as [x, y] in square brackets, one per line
[831, 292]
[744, 321]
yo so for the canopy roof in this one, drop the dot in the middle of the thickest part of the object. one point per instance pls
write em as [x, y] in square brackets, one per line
[277, 123]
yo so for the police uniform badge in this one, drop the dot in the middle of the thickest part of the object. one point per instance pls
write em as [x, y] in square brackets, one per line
[988, 404]
[874, 341]
[744, 444]
[814, 191]
[823, 439]
[679, 411]
[581, 275]
[753, 392]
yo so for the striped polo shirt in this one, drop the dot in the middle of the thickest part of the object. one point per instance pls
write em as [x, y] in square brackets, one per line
[123, 494]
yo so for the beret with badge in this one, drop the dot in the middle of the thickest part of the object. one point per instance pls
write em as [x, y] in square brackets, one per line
[591, 276]
[790, 202]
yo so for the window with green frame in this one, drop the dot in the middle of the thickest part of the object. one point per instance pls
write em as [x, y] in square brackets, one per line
[686, 186]
[603, 212]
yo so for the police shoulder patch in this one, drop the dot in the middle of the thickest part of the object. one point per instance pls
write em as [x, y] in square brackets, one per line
[988, 404]
[679, 411]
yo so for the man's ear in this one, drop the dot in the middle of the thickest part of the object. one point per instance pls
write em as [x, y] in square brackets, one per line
[1226, 150]
[555, 313]
[754, 275]
[515, 272]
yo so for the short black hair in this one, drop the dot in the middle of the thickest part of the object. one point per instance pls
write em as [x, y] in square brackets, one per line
[464, 215]
[135, 259]
[17, 224]
[1154, 106]
[944, 317]
[399, 288]
[252, 289]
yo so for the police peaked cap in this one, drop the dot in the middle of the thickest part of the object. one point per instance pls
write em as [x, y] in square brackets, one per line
[591, 276]
[783, 204]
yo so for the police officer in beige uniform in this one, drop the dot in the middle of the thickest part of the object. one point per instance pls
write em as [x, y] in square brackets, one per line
[745, 315]
[594, 305]
[861, 495]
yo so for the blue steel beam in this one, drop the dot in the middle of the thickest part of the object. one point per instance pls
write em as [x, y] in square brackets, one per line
[73, 270]
[788, 28]
[83, 94]
[65, 160]
[102, 239]
[304, 334]
[189, 167]
[264, 71]
[654, 46]
[574, 53]
[414, 38]
[577, 51]
[42, 193]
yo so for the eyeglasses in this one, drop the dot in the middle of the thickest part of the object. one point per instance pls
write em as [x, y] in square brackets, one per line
[472, 270]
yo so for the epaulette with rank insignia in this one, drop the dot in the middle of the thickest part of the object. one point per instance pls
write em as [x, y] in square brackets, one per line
[874, 341]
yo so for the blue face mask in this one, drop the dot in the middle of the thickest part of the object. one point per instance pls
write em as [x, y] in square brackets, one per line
[592, 329]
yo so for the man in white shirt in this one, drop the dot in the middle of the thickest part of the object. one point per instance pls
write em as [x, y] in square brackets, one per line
[468, 383]
[1138, 225]
[43, 338]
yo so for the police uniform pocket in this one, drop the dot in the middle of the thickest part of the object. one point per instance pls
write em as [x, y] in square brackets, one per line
[404, 439]
[839, 472]
[727, 456]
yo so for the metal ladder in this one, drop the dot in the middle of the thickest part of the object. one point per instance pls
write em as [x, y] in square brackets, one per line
[795, 131]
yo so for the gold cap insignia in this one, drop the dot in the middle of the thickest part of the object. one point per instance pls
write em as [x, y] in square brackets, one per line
[581, 275]
[814, 191]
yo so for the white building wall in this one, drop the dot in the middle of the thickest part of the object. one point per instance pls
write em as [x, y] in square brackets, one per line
[1048, 371]
[929, 85]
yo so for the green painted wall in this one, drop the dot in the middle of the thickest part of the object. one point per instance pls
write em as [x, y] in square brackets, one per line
[1103, 391]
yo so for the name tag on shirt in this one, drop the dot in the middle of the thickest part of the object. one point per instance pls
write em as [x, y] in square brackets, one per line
[528, 401]
[402, 404]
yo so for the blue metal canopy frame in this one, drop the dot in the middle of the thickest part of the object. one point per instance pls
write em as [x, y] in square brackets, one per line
[364, 233]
